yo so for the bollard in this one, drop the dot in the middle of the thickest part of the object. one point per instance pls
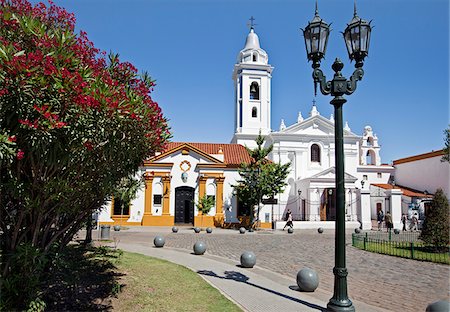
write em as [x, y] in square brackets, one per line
[307, 280]
[199, 248]
[248, 259]
[159, 241]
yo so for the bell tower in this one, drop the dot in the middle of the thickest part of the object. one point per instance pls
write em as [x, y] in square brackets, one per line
[252, 76]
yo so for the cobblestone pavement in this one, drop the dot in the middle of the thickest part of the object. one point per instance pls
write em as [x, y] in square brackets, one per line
[388, 282]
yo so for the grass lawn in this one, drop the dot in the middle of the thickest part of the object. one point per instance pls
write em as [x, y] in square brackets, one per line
[150, 284]
[404, 250]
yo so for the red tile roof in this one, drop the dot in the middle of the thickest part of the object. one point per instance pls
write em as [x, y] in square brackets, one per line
[406, 191]
[419, 157]
[233, 154]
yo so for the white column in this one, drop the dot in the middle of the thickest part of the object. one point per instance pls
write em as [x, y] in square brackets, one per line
[396, 207]
[364, 213]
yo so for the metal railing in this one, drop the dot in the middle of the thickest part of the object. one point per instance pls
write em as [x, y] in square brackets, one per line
[405, 245]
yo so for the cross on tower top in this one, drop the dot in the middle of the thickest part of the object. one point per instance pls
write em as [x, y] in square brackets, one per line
[251, 24]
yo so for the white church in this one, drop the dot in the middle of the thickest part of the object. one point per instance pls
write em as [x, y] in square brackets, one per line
[185, 171]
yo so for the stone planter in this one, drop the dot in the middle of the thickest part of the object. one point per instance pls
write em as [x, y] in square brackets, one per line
[159, 241]
[307, 280]
[248, 259]
[199, 248]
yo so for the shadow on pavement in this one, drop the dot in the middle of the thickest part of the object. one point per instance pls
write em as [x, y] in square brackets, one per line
[239, 277]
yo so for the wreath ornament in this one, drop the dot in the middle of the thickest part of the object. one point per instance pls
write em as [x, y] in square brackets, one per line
[185, 166]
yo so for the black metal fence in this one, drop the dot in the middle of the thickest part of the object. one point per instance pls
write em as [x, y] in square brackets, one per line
[404, 244]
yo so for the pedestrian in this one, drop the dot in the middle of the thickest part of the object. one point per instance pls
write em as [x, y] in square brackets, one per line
[380, 218]
[288, 220]
[415, 223]
[404, 218]
[388, 221]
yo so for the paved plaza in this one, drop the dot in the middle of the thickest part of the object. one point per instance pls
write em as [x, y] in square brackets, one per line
[380, 281]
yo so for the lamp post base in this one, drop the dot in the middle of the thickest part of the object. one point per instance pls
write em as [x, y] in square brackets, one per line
[335, 307]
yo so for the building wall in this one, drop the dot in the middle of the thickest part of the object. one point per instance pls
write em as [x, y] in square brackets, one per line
[427, 174]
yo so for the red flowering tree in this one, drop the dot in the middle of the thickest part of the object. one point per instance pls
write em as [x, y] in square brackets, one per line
[73, 122]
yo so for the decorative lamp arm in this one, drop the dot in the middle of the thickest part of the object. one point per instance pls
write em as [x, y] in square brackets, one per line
[319, 77]
[357, 75]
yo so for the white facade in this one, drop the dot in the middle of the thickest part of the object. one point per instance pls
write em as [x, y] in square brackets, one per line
[425, 172]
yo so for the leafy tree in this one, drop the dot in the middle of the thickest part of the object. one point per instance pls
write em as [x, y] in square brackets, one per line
[446, 156]
[435, 228]
[127, 190]
[73, 123]
[205, 204]
[261, 178]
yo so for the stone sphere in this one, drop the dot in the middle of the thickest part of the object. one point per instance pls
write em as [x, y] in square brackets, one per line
[199, 248]
[175, 229]
[357, 230]
[438, 306]
[396, 231]
[248, 259]
[242, 230]
[209, 230]
[307, 279]
[320, 230]
[197, 230]
[159, 241]
[290, 230]
[116, 227]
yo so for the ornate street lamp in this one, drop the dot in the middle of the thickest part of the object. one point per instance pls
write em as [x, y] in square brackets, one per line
[357, 38]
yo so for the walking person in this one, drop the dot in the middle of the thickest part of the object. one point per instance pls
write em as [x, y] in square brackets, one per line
[380, 218]
[388, 221]
[404, 219]
[415, 223]
[288, 220]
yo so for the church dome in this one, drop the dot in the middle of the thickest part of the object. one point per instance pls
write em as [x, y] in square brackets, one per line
[252, 52]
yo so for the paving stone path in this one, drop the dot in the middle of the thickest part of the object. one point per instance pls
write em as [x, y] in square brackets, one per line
[392, 283]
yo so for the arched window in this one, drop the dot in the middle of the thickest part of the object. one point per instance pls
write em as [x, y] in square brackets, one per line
[254, 91]
[255, 58]
[254, 112]
[315, 153]
[157, 194]
[369, 141]
[211, 191]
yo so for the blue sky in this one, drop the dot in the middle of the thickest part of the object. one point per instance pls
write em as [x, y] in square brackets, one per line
[190, 48]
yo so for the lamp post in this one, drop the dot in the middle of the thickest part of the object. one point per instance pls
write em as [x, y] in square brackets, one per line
[357, 37]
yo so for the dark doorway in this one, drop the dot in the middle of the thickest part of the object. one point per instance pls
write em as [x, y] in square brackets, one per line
[331, 207]
[184, 204]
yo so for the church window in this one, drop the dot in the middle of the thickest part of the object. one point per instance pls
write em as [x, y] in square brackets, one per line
[369, 141]
[254, 91]
[254, 112]
[121, 207]
[157, 194]
[315, 153]
[379, 175]
[255, 58]
[157, 199]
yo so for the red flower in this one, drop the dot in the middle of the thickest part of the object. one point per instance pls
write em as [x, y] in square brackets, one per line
[20, 154]
[12, 138]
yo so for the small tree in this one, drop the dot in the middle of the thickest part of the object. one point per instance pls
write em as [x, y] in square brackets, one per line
[205, 204]
[260, 178]
[435, 228]
[446, 156]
